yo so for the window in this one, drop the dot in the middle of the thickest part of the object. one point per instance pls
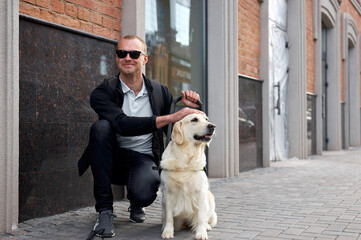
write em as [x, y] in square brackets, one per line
[175, 35]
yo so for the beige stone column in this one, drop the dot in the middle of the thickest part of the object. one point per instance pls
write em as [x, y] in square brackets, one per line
[133, 18]
[222, 51]
[9, 117]
[297, 97]
[264, 75]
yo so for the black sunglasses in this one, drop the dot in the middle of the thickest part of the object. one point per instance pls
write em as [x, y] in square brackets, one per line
[133, 54]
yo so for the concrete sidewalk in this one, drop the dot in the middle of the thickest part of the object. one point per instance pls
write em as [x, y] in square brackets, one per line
[317, 198]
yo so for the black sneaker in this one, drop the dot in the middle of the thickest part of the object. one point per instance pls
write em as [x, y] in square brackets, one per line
[137, 214]
[104, 227]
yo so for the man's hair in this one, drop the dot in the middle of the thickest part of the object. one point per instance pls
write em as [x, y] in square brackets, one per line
[129, 37]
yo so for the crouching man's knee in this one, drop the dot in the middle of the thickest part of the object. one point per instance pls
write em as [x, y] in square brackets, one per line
[145, 195]
[101, 130]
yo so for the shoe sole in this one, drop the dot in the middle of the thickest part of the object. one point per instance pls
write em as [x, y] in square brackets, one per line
[133, 221]
[105, 236]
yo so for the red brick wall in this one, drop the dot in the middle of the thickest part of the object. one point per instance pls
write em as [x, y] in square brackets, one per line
[310, 49]
[248, 37]
[100, 17]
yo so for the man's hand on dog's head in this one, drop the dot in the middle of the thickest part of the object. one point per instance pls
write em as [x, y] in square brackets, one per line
[161, 121]
[184, 112]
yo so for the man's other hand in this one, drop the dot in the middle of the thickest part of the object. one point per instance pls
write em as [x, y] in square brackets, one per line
[189, 98]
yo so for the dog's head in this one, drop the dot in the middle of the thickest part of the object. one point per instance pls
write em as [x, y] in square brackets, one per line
[193, 128]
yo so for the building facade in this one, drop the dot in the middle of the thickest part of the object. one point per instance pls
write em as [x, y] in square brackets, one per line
[279, 78]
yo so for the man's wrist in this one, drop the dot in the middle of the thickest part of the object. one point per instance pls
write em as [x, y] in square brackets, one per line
[161, 121]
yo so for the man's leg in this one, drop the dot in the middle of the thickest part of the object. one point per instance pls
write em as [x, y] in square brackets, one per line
[142, 183]
[103, 147]
[103, 144]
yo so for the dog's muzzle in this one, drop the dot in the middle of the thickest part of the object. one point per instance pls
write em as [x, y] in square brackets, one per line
[208, 136]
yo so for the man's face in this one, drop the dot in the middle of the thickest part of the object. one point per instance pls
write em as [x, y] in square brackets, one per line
[128, 65]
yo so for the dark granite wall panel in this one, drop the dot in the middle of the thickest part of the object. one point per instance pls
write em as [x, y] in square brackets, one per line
[58, 71]
[311, 124]
[250, 124]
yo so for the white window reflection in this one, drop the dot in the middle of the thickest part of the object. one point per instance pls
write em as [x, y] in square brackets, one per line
[151, 22]
[180, 21]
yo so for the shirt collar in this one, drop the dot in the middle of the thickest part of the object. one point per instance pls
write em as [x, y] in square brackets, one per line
[126, 89]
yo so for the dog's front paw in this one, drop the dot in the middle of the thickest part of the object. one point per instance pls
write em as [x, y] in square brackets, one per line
[167, 234]
[202, 235]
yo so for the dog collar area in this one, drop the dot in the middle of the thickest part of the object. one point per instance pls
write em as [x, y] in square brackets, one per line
[182, 170]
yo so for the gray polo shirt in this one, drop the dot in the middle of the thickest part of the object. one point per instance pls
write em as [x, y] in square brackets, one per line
[136, 106]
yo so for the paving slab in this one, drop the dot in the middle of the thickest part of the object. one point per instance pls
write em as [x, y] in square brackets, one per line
[314, 198]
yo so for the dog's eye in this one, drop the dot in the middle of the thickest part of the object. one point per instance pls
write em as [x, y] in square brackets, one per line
[194, 120]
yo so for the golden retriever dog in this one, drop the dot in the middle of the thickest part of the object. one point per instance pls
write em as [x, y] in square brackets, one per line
[187, 201]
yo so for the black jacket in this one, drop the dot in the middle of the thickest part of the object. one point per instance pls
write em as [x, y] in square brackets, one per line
[107, 102]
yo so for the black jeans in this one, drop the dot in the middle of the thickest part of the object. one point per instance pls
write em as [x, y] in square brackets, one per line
[114, 165]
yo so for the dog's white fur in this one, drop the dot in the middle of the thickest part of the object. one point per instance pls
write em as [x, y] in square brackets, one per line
[187, 200]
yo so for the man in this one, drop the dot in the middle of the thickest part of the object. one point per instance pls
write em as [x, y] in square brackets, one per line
[126, 143]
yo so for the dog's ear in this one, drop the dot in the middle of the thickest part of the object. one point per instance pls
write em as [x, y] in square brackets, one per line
[177, 133]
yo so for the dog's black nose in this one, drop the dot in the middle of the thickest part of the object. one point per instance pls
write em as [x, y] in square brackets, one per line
[211, 126]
